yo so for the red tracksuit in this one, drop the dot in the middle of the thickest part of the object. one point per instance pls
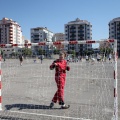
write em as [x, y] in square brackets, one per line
[60, 78]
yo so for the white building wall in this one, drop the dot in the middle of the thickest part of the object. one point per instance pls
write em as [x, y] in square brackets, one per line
[40, 34]
[11, 34]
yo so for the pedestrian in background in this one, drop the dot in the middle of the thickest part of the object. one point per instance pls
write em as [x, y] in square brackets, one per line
[21, 59]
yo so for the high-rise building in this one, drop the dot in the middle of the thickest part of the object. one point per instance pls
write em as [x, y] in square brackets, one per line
[10, 33]
[40, 34]
[114, 31]
[78, 30]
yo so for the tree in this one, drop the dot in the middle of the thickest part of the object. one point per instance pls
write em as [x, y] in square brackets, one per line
[56, 51]
[27, 51]
[86, 52]
[73, 53]
[40, 51]
[14, 53]
[109, 50]
[2, 52]
[106, 50]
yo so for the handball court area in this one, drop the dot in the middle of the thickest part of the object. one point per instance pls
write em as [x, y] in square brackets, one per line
[27, 91]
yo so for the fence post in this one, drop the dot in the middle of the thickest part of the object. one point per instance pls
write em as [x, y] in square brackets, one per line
[115, 114]
[0, 82]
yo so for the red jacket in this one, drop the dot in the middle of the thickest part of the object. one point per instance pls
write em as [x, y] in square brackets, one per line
[60, 68]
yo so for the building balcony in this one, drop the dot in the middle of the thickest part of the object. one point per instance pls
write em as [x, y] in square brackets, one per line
[81, 35]
[10, 42]
[11, 32]
[80, 31]
[10, 35]
[11, 39]
[72, 36]
[72, 31]
[35, 33]
[71, 39]
[10, 29]
[118, 38]
[81, 38]
[36, 40]
[80, 28]
[72, 28]
[36, 36]
[118, 34]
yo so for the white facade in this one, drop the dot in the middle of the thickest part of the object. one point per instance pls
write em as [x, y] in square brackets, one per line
[41, 34]
[10, 33]
[114, 31]
[78, 30]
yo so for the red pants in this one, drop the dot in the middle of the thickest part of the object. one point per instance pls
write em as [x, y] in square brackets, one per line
[59, 95]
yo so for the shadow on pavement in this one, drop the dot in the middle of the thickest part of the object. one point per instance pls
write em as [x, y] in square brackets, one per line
[11, 118]
[27, 106]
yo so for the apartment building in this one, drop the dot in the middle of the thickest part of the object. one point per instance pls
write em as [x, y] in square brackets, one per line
[78, 30]
[59, 37]
[41, 34]
[114, 31]
[10, 33]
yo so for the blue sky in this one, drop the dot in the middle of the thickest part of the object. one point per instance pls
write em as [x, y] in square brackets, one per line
[53, 14]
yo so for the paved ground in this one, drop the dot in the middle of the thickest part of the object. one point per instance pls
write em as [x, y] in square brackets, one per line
[27, 91]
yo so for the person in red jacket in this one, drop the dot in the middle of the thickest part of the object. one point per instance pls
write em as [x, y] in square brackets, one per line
[60, 66]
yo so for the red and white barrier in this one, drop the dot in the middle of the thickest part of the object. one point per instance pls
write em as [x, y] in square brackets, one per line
[115, 115]
[0, 85]
[56, 43]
